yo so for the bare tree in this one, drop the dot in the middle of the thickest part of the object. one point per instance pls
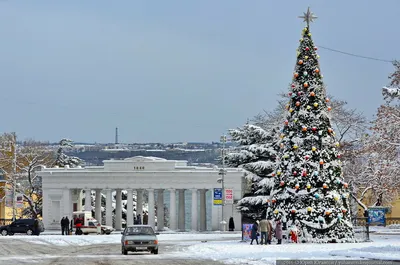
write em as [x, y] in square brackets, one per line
[373, 172]
[21, 163]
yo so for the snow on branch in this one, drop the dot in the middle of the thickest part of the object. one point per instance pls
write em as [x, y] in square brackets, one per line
[390, 93]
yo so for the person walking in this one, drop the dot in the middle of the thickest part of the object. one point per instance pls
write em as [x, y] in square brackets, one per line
[254, 233]
[231, 224]
[62, 222]
[36, 228]
[278, 231]
[264, 231]
[270, 231]
[66, 225]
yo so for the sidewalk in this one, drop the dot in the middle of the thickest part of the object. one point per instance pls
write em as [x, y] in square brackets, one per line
[58, 232]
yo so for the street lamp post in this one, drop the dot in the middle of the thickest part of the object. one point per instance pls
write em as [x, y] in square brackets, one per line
[222, 172]
[14, 174]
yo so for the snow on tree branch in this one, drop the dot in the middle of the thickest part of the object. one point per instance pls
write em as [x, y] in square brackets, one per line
[390, 93]
[63, 159]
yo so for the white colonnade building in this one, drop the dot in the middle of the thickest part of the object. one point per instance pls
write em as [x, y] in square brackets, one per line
[62, 192]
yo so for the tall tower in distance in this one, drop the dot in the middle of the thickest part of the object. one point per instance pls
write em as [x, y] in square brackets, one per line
[116, 135]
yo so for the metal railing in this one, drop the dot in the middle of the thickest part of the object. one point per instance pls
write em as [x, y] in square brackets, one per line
[362, 221]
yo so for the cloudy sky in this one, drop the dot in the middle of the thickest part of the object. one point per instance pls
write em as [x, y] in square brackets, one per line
[177, 70]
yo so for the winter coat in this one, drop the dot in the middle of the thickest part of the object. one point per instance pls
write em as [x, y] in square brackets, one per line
[231, 224]
[145, 219]
[254, 231]
[270, 229]
[264, 226]
[278, 229]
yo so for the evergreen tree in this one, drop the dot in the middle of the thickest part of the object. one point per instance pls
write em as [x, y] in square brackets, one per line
[309, 193]
[63, 159]
[256, 153]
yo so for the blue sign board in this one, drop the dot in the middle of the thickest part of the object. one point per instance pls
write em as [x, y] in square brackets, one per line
[217, 196]
[377, 215]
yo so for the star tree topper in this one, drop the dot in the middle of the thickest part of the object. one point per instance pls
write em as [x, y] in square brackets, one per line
[308, 17]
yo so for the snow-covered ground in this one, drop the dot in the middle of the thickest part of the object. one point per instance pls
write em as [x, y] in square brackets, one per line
[228, 248]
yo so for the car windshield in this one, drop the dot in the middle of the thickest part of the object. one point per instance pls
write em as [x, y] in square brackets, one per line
[139, 231]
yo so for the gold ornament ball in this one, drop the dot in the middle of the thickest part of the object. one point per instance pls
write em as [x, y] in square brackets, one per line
[309, 209]
[308, 107]
[306, 57]
[309, 34]
[291, 110]
[315, 104]
[295, 146]
[313, 148]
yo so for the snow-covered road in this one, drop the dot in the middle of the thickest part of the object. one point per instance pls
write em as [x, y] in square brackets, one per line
[184, 248]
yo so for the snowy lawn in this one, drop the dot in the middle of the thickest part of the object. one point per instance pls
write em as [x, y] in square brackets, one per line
[232, 251]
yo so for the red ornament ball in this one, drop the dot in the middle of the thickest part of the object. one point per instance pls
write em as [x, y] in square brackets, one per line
[290, 94]
[315, 48]
[314, 129]
[307, 49]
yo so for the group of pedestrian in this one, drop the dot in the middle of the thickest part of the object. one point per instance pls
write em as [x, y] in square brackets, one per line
[65, 226]
[266, 230]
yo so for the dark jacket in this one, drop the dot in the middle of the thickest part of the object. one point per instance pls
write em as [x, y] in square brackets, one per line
[254, 231]
[231, 224]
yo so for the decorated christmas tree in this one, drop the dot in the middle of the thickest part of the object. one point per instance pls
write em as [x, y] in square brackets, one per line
[256, 153]
[309, 193]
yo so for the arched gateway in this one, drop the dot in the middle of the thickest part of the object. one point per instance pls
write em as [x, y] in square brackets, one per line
[62, 191]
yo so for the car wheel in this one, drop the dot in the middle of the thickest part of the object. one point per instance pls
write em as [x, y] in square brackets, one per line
[102, 232]
[29, 232]
[4, 232]
[155, 251]
[124, 252]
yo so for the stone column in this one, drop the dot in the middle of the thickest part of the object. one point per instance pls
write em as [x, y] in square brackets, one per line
[109, 221]
[172, 209]
[160, 210]
[118, 210]
[151, 217]
[181, 218]
[129, 207]
[203, 217]
[98, 206]
[67, 203]
[194, 209]
[88, 200]
[139, 204]
[45, 208]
